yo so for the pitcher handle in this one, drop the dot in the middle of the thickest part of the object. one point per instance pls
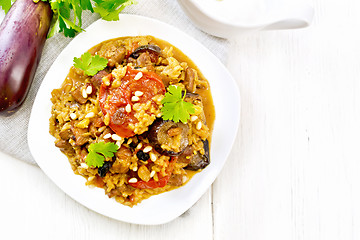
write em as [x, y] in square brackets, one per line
[290, 17]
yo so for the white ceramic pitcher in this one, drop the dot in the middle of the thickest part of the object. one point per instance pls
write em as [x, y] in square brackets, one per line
[231, 18]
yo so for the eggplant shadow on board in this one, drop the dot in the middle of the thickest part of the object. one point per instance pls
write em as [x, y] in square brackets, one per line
[22, 37]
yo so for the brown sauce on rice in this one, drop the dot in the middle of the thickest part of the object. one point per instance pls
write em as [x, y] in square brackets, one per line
[154, 155]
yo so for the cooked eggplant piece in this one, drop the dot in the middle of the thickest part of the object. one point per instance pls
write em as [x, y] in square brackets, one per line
[150, 48]
[145, 60]
[145, 56]
[199, 161]
[185, 156]
[168, 137]
[193, 97]
[22, 37]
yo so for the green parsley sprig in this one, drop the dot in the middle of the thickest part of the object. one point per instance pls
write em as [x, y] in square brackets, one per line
[109, 10]
[98, 152]
[90, 64]
[67, 16]
[174, 106]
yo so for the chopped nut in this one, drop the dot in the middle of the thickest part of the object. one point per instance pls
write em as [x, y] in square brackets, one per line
[128, 108]
[88, 90]
[116, 137]
[193, 118]
[108, 135]
[138, 93]
[153, 156]
[139, 146]
[84, 94]
[73, 116]
[138, 76]
[199, 125]
[135, 98]
[132, 180]
[147, 149]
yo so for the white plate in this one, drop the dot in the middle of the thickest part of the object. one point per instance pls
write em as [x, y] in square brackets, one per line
[157, 209]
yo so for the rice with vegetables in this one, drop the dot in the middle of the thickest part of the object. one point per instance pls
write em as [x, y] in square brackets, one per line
[134, 116]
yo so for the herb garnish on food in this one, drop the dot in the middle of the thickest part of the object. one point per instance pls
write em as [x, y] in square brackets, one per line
[175, 108]
[98, 152]
[90, 64]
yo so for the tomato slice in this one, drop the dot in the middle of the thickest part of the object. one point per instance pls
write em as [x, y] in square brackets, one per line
[151, 184]
[163, 180]
[113, 101]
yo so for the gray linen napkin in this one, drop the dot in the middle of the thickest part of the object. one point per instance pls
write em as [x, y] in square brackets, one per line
[13, 129]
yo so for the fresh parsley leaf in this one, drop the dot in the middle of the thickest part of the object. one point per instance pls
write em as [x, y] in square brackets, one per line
[55, 23]
[175, 108]
[67, 14]
[67, 27]
[86, 5]
[98, 152]
[90, 64]
[6, 4]
[109, 10]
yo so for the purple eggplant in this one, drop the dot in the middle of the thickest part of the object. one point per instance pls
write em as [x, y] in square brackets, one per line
[199, 161]
[165, 133]
[195, 160]
[150, 48]
[22, 37]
